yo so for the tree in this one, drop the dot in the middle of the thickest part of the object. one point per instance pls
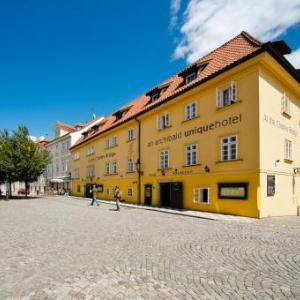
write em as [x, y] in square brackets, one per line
[21, 158]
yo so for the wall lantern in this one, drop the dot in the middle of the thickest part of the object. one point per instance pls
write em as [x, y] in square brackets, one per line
[206, 169]
[138, 165]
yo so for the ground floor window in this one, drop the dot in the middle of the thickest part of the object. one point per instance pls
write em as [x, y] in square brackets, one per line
[202, 195]
[130, 192]
[234, 190]
[270, 185]
[78, 188]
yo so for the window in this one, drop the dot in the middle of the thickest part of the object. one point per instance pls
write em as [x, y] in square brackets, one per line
[76, 156]
[191, 154]
[106, 143]
[189, 78]
[229, 148]
[90, 150]
[164, 159]
[227, 95]
[130, 192]
[130, 165]
[164, 121]
[130, 134]
[114, 141]
[190, 111]
[76, 174]
[154, 97]
[288, 150]
[114, 167]
[78, 188]
[90, 171]
[106, 170]
[202, 195]
[286, 104]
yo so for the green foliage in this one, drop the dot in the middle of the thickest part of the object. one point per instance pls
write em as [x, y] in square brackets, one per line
[21, 158]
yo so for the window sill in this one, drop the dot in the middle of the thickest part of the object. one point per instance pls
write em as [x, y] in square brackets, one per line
[166, 169]
[111, 174]
[187, 120]
[286, 114]
[230, 105]
[194, 165]
[288, 161]
[130, 172]
[161, 129]
[229, 161]
[90, 154]
[202, 203]
[128, 141]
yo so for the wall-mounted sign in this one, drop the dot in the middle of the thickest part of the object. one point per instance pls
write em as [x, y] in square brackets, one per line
[99, 188]
[235, 190]
[270, 185]
[279, 125]
[99, 157]
[196, 130]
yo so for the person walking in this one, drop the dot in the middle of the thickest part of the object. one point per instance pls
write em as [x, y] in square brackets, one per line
[118, 196]
[94, 194]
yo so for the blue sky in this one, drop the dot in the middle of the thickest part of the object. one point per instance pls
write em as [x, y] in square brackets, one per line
[67, 59]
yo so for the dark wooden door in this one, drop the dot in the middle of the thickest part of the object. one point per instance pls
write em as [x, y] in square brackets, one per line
[148, 194]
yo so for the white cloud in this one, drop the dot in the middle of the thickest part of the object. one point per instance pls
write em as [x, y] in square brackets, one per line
[209, 23]
[175, 7]
[294, 58]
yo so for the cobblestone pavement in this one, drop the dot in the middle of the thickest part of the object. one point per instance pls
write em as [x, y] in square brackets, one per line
[58, 248]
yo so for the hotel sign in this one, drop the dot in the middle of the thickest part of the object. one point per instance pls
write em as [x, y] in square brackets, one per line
[198, 130]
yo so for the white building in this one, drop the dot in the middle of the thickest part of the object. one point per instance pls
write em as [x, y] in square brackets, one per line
[58, 173]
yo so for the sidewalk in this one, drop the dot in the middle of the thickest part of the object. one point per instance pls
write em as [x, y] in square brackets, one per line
[187, 213]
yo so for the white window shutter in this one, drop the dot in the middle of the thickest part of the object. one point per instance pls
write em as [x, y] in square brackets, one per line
[167, 119]
[158, 122]
[219, 98]
[233, 91]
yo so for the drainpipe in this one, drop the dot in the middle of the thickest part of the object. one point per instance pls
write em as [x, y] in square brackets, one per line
[139, 160]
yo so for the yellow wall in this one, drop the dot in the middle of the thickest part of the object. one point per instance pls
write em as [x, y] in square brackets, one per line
[275, 127]
[118, 153]
[259, 145]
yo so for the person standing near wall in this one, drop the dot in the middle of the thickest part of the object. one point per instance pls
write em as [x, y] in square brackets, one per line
[94, 194]
[118, 196]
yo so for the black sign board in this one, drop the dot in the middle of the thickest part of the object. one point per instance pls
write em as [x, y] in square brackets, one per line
[270, 185]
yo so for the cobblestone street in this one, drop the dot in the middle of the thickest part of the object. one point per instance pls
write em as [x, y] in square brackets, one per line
[62, 248]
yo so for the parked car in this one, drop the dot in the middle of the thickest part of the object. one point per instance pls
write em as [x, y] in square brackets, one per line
[23, 192]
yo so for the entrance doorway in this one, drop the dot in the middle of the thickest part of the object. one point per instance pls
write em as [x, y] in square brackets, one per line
[171, 194]
[88, 188]
[148, 194]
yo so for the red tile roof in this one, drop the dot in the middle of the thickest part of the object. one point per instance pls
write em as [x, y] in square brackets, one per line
[64, 126]
[235, 51]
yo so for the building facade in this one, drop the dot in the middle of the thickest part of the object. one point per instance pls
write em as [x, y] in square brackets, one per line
[222, 135]
[58, 174]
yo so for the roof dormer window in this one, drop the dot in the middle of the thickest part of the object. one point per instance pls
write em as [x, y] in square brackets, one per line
[191, 77]
[120, 113]
[154, 97]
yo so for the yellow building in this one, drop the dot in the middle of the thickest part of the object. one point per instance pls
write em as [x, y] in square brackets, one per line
[222, 135]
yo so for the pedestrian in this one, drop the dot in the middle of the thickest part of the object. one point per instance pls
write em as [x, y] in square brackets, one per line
[94, 193]
[118, 196]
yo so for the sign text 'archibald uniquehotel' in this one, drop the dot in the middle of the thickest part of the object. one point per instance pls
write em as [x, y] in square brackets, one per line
[197, 130]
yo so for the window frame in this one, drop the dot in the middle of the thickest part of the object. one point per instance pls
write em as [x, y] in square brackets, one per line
[107, 168]
[288, 150]
[130, 162]
[130, 188]
[232, 94]
[188, 111]
[130, 134]
[187, 77]
[191, 151]
[229, 144]
[162, 124]
[114, 167]
[197, 190]
[162, 159]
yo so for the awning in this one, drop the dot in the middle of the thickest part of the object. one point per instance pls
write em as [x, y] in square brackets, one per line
[60, 180]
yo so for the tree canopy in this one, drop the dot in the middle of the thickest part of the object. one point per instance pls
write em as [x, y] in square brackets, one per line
[21, 159]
